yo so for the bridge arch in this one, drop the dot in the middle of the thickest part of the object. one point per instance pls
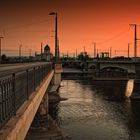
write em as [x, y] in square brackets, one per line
[92, 66]
[81, 65]
[113, 71]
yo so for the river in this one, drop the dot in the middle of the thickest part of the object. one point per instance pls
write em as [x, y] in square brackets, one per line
[97, 110]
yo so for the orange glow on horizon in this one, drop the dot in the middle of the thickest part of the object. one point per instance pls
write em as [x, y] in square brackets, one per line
[80, 23]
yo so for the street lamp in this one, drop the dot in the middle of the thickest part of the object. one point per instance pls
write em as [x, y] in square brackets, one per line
[0, 46]
[56, 38]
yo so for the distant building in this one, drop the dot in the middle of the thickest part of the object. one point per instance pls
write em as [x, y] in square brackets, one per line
[104, 54]
[45, 56]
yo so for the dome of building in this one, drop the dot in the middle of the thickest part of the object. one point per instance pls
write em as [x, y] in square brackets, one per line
[46, 49]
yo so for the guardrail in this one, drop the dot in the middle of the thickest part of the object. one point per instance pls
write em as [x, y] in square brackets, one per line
[16, 87]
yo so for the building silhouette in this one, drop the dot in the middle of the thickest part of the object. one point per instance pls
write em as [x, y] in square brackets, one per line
[46, 55]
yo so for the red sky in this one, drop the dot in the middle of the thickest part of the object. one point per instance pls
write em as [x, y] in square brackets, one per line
[80, 23]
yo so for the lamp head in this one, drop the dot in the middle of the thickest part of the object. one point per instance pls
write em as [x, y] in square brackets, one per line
[52, 13]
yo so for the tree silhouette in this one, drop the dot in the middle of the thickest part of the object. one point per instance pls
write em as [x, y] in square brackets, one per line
[3, 57]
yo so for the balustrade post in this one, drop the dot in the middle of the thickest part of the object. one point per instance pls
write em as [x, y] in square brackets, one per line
[27, 74]
[14, 93]
[34, 78]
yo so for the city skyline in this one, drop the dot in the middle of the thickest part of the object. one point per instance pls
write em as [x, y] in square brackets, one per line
[80, 23]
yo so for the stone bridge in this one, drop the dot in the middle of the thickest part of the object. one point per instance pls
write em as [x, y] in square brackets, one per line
[106, 67]
[128, 66]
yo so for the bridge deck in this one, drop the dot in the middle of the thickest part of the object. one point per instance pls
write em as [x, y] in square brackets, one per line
[17, 85]
[6, 69]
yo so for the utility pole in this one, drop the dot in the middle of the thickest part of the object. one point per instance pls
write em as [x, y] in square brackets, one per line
[135, 40]
[0, 46]
[97, 54]
[56, 45]
[20, 46]
[58, 55]
[67, 54]
[84, 49]
[94, 50]
[76, 53]
[128, 50]
[35, 53]
[30, 53]
[41, 50]
[110, 52]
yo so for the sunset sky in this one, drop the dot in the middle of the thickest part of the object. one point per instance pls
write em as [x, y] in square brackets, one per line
[80, 23]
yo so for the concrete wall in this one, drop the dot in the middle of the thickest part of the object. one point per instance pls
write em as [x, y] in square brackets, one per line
[18, 126]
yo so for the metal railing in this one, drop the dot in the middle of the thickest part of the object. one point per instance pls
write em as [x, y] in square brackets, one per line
[15, 89]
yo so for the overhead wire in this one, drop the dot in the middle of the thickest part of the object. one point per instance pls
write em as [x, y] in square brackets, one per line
[114, 37]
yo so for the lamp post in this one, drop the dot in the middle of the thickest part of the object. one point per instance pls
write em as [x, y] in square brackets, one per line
[57, 66]
[0, 46]
[56, 38]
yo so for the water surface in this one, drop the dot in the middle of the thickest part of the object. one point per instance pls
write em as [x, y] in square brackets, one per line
[97, 111]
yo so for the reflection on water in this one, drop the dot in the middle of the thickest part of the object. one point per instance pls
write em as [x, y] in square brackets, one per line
[92, 113]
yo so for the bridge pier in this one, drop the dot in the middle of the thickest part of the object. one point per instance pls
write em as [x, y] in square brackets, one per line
[41, 116]
[57, 79]
[57, 74]
[43, 108]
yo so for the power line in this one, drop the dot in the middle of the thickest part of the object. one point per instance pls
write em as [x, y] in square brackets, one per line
[114, 37]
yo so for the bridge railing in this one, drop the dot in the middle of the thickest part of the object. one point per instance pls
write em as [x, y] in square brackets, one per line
[15, 89]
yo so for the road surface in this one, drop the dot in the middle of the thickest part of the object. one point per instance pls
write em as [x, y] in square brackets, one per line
[11, 68]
